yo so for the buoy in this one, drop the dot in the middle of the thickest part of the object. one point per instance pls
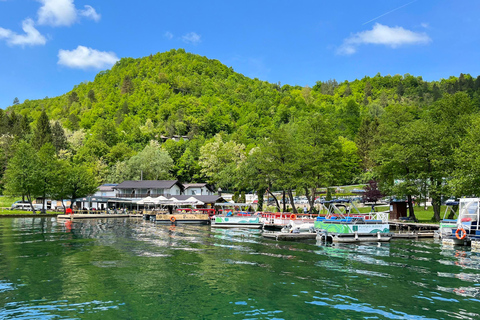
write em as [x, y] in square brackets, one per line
[293, 217]
[464, 234]
[173, 219]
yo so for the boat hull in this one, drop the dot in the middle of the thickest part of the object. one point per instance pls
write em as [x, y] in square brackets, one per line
[182, 219]
[237, 222]
[351, 228]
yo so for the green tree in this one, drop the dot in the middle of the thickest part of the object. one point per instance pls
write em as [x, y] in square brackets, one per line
[152, 162]
[219, 161]
[21, 174]
[127, 85]
[43, 132]
[91, 95]
[47, 174]
[79, 182]
[16, 101]
[59, 140]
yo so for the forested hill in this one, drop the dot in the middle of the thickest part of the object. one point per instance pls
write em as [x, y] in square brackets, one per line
[186, 94]
[247, 134]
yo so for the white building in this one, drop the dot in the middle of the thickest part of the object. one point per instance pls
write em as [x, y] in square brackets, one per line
[138, 189]
[106, 190]
[198, 189]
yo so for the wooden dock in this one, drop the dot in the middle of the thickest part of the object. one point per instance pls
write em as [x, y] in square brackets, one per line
[289, 236]
[96, 216]
[413, 235]
[413, 226]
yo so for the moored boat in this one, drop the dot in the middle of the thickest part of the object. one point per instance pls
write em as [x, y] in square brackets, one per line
[466, 228]
[345, 226]
[230, 217]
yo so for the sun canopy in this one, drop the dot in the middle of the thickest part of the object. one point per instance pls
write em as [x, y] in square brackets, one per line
[148, 200]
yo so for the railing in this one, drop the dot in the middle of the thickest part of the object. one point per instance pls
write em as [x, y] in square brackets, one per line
[142, 195]
[384, 216]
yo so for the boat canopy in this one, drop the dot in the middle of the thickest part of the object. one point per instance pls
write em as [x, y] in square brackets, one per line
[468, 210]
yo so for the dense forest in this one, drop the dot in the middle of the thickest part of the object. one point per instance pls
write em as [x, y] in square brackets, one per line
[416, 138]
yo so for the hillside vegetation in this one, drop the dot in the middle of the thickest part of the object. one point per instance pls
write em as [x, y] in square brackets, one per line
[415, 137]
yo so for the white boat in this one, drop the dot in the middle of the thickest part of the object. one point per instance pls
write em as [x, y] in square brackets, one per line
[299, 226]
[347, 227]
[466, 228]
[230, 218]
[447, 226]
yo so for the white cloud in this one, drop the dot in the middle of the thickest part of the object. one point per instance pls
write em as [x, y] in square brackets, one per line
[192, 38]
[168, 35]
[57, 12]
[85, 58]
[90, 13]
[425, 25]
[63, 13]
[31, 37]
[383, 35]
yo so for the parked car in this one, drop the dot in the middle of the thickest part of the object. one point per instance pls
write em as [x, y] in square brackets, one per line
[25, 205]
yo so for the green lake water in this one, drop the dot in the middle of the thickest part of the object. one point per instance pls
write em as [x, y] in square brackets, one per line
[132, 269]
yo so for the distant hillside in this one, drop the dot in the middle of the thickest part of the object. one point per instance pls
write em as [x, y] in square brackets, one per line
[181, 93]
[416, 138]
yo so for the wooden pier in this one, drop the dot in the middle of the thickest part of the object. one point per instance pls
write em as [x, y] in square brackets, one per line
[413, 235]
[96, 216]
[413, 226]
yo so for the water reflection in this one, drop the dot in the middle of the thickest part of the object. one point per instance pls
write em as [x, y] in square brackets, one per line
[121, 268]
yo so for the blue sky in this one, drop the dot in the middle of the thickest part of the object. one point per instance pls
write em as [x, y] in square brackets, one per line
[48, 46]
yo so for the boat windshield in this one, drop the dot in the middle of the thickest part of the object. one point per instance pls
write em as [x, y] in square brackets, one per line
[468, 210]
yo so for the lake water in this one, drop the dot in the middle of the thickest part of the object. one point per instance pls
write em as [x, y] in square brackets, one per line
[131, 269]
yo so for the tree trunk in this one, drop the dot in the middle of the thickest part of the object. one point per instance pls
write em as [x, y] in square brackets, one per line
[284, 202]
[29, 199]
[275, 198]
[307, 194]
[436, 202]
[290, 196]
[411, 212]
[260, 194]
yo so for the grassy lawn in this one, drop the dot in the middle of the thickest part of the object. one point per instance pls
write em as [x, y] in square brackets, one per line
[6, 202]
[3, 211]
[422, 215]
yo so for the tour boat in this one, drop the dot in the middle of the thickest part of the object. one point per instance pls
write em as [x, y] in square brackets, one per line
[229, 218]
[448, 225]
[235, 221]
[466, 228]
[344, 226]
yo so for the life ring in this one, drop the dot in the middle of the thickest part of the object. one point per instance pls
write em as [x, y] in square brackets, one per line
[293, 217]
[464, 234]
[173, 219]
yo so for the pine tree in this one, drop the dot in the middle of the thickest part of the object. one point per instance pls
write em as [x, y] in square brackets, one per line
[477, 83]
[348, 91]
[91, 95]
[73, 97]
[436, 92]
[16, 101]
[42, 132]
[400, 89]
[59, 140]
[127, 85]
[367, 92]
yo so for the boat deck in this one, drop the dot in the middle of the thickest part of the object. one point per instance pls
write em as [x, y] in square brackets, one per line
[289, 236]
[96, 216]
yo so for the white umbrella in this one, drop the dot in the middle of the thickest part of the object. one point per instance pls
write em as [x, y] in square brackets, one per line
[195, 201]
[145, 200]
